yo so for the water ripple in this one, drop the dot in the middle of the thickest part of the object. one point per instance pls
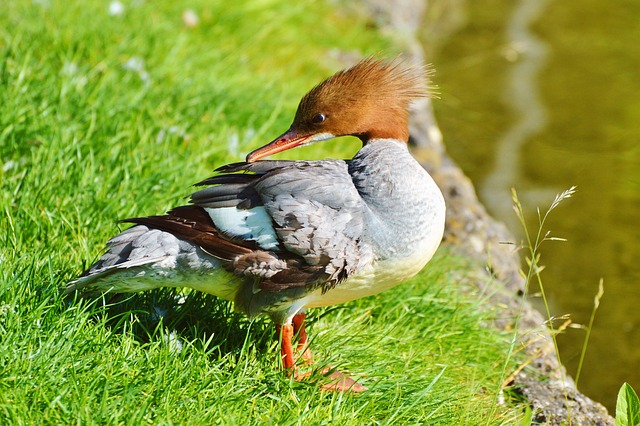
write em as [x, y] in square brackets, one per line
[528, 53]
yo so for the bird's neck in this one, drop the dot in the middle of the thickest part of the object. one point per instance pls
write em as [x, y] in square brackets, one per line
[402, 199]
[383, 171]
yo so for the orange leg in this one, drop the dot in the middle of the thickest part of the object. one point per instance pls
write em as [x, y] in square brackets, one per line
[338, 382]
[286, 349]
[303, 342]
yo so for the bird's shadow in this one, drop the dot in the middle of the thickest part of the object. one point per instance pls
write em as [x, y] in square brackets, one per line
[205, 321]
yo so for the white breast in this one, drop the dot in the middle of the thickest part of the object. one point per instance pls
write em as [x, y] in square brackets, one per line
[377, 277]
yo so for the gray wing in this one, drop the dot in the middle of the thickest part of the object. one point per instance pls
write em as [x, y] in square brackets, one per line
[316, 212]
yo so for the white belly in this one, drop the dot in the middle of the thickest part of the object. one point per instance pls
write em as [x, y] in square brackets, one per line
[375, 279]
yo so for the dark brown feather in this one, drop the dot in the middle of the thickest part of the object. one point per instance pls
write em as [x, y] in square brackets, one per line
[192, 223]
[235, 186]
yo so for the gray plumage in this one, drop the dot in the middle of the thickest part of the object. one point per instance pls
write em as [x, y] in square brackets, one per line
[331, 220]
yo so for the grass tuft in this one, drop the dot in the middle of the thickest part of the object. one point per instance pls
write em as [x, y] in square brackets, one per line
[532, 245]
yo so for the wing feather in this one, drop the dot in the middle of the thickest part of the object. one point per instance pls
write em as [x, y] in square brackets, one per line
[287, 224]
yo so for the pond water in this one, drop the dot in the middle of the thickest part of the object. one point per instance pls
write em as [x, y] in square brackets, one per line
[539, 96]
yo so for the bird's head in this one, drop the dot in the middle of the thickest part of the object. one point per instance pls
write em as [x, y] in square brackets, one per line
[369, 100]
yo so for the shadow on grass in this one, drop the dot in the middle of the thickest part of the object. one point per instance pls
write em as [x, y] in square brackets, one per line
[207, 322]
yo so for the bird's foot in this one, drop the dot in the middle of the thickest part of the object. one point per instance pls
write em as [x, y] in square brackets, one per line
[331, 380]
[305, 354]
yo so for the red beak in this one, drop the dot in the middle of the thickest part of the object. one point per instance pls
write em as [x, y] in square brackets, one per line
[289, 139]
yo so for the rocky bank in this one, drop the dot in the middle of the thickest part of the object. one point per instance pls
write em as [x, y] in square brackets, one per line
[543, 381]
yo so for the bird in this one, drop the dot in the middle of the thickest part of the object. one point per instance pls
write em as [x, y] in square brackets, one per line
[278, 237]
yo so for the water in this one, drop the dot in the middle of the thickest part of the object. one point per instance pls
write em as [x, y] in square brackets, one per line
[540, 96]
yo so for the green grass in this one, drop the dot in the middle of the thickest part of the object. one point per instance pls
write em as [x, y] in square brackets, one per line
[106, 117]
[423, 350]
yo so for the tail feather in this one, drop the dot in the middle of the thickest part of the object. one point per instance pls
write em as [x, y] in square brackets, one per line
[142, 258]
[97, 278]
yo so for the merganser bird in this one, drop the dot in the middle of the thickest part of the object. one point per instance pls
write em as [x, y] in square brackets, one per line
[277, 237]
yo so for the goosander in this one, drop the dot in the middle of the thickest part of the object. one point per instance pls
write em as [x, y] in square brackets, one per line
[277, 237]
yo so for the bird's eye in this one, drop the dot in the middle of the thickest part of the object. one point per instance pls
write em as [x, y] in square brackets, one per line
[319, 118]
